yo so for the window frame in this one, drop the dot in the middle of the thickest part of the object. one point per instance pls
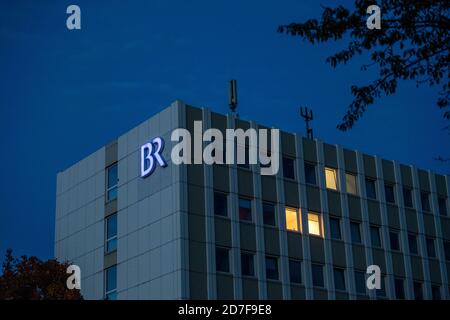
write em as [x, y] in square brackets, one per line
[297, 219]
[287, 158]
[267, 203]
[358, 224]
[112, 291]
[378, 231]
[222, 249]
[342, 273]
[397, 233]
[313, 166]
[371, 181]
[218, 194]
[335, 219]
[319, 221]
[114, 186]
[390, 187]
[277, 269]
[112, 238]
[251, 211]
[409, 191]
[335, 178]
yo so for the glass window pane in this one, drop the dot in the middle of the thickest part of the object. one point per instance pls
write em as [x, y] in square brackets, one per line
[247, 264]
[355, 232]
[389, 193]
[407, 197]
[310, 173]
[291, 219]
[395, 243]
[220, 204]
[317, 275]
[112, 176]
[339, 278]
[111, 226]
[111, 279]
[222, 259]
[271, 268]
[245, 211]
[350, 180]
[399, 289]
[375, 236]
[288, 168]
[412, 242]
[314, 224]
[418, 291]
[424, 197]
[112, 194]
[442, 202]
[370, 189]
[430, 248]
[295, 271]
[335, 228]
[360, 282]
[330, 178]
[269, 214]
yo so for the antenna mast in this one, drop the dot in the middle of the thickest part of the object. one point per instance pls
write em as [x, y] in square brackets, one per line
[307, 114]
[232, 95]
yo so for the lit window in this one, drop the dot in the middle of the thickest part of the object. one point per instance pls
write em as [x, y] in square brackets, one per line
[314, 225]
[330, 178]
[111, 283]
[245, 209]
[350, 180]
[292, 219]
[111, 233]
[111, 179]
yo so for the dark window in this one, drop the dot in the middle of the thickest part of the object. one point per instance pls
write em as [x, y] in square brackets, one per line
[360, 282]
[430, 248]
[111, 283]
[394, 240]
[442, 202]
[269, 214]
[335, 228]
[339, 279]
[412, 243]
[425, 199]
[310, 173]
[295, 271]
[272, 268]
[418, 291]
[317, 275]
[407, 198]
[436, 292]
[111, 233]
[389, 193]
[247, 264]
[370, 189]
[111, 182]
[375, 236]
[447, 250]
[399, 289]
[245, 209]
[220, 204]
[355, 232]
[222, 259]
[382, 291]
[288, 168]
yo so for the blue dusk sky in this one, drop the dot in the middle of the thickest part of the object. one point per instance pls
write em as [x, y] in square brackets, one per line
[64, 94]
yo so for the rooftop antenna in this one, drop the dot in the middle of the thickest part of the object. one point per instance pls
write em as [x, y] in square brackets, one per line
[308, 116]
[232, 95]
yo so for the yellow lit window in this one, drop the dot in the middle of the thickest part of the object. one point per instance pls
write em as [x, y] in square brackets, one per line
[330, 178]
[314, 226]
[350, 180]
[292, 220]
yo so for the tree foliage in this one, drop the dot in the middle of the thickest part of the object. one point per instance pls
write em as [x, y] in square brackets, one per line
[412, 44]
[32, 279]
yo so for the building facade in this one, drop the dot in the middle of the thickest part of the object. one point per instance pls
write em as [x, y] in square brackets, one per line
[227, 232]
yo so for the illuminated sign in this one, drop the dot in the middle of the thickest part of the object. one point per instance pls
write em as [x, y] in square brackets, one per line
[151, 155]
